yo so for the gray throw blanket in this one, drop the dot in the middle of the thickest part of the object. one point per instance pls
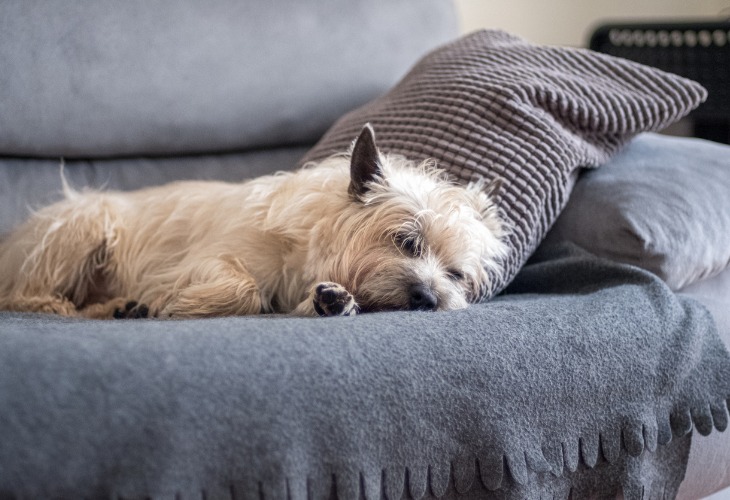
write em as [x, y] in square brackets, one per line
[576, 380]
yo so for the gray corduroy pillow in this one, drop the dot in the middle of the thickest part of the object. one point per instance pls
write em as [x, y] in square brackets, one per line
[493, 105]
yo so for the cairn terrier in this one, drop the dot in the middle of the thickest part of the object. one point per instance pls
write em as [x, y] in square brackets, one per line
[361, 231]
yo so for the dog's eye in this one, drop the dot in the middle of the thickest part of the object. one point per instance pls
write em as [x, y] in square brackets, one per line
[455, 275]
[408, 244]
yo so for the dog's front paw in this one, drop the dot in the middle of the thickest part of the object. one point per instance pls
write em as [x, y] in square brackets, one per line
[132, 310]
[332, 299]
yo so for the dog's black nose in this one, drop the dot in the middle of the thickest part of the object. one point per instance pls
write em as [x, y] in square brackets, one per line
[422, 298]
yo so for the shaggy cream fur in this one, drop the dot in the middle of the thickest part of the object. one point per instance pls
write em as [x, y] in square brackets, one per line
[361, 231]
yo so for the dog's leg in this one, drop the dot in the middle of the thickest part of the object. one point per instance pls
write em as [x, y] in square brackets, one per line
[54, 261]
[328, 299]
[215, 287]
[46, 304]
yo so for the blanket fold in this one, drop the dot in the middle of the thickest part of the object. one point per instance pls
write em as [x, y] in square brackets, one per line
[584, 377]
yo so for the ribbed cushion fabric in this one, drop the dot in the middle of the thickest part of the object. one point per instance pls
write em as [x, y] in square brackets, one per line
[493, 105]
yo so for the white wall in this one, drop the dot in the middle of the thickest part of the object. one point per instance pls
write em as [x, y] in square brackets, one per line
[570, 22]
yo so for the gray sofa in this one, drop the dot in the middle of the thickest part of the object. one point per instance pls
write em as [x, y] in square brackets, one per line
[147, 92]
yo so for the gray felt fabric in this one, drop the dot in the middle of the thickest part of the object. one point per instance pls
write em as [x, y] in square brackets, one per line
[27, 183]
[95, 78]
[663, 204]
[576, 379]
[493, 105]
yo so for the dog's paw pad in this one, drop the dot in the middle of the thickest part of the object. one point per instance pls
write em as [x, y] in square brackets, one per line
[132, 310]
[332, 299]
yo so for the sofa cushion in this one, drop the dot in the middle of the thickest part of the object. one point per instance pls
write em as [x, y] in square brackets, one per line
[662, 204]
[493, 105]
[89, 78]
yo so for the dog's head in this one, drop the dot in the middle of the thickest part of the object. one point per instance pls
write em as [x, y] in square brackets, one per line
[411, 239]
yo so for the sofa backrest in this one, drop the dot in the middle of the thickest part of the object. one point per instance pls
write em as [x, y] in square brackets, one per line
[102, 78]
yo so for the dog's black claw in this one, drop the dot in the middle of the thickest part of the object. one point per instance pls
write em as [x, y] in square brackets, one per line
[142, 311]
[130, 305]
[119, 314]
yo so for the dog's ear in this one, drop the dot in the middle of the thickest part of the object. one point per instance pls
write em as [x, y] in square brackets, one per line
[364, 162]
